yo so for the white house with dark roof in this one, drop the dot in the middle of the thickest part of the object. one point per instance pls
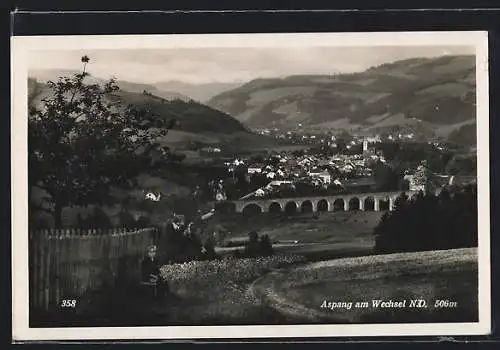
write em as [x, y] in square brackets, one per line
[324, 176]
[254, 169]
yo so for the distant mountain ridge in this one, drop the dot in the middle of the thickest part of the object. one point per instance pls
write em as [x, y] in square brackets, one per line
[199, 92]
[169, 90]
[434, 96]
[53, 74]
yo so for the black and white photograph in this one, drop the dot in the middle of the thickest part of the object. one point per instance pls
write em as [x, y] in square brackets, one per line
[250, 185]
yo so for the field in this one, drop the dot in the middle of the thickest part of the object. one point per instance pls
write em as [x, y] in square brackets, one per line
[329, 236]
[449, 275]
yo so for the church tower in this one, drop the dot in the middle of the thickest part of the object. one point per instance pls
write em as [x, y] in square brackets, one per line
[365, 146]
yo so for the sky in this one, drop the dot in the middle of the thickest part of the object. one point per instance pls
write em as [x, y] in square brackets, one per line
[207, 65]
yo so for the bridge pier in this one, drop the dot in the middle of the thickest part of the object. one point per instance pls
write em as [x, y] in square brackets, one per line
[376, 204]
[314, 206]
[362, 204]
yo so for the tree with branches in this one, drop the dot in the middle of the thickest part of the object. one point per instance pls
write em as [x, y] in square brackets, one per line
[83, 143]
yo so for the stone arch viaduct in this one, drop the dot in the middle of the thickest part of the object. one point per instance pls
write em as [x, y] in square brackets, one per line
[342, 202]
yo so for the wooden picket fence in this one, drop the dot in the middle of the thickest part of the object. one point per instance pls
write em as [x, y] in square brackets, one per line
[69, 264]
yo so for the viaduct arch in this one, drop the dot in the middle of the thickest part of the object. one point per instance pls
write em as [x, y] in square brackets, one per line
[345, 202]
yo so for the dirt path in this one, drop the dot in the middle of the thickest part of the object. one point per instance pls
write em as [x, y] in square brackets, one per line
[291, 313]
[298, 292]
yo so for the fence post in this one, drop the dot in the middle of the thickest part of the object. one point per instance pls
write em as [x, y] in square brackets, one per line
[46, 272]
[32, 271]
[40, 247]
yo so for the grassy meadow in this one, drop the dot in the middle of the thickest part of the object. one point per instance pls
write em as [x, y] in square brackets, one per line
[448, 275]
[329, 236]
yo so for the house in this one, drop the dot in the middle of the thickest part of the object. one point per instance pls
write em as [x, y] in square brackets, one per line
[210, 150]
[253, 169]
[220, 196]
[337, 182]
[260, 192]
[277, 183]
[373, 139]
[366, 172]
[305, 161]
[347, 168]
[324, 176]
[419, 179]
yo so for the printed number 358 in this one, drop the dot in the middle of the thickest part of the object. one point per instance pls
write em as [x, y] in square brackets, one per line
[68, 303]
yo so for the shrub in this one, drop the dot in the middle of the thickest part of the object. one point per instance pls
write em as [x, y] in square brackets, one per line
[98, 219]
[266, 247]
[126, 219]
[209, 253]
[252, 247]
[142, 221]
[256, 247]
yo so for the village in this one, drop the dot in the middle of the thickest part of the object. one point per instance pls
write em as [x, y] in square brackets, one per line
[311, 172]
[329, 136]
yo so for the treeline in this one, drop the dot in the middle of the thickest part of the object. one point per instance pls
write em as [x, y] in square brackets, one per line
[409, 154]
[430, 222]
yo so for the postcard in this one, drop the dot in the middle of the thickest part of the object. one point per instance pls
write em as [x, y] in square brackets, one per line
[250, 185]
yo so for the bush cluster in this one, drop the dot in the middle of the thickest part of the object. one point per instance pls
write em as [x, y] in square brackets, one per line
[256, 246]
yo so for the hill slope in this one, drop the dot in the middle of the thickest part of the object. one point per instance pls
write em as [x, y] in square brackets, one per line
[433, 96]
[195, 122]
